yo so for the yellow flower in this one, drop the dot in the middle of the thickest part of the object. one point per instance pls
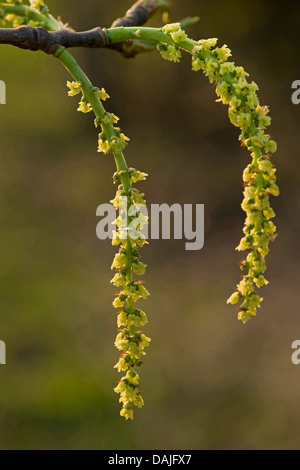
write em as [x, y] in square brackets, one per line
[84, 106]
[234, 298]
[75, 88]
[127, 413]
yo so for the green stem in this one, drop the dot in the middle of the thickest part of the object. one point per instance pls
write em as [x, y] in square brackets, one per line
[154, 35]
[89, 92]
[77, 73]
[88, 89]
[47, 20]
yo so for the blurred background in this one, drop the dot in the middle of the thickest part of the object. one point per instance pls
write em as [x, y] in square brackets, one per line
[208, 381]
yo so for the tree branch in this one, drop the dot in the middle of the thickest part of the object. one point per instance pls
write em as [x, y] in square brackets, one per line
[39, 39]
[141, 12]
[138, 15]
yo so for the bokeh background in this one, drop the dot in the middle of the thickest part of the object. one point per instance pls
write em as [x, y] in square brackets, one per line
[208, 381]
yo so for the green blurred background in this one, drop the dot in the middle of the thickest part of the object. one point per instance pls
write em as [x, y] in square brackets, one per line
[208, 381]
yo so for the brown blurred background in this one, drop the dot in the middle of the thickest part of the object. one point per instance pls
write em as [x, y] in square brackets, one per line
[208, 381]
